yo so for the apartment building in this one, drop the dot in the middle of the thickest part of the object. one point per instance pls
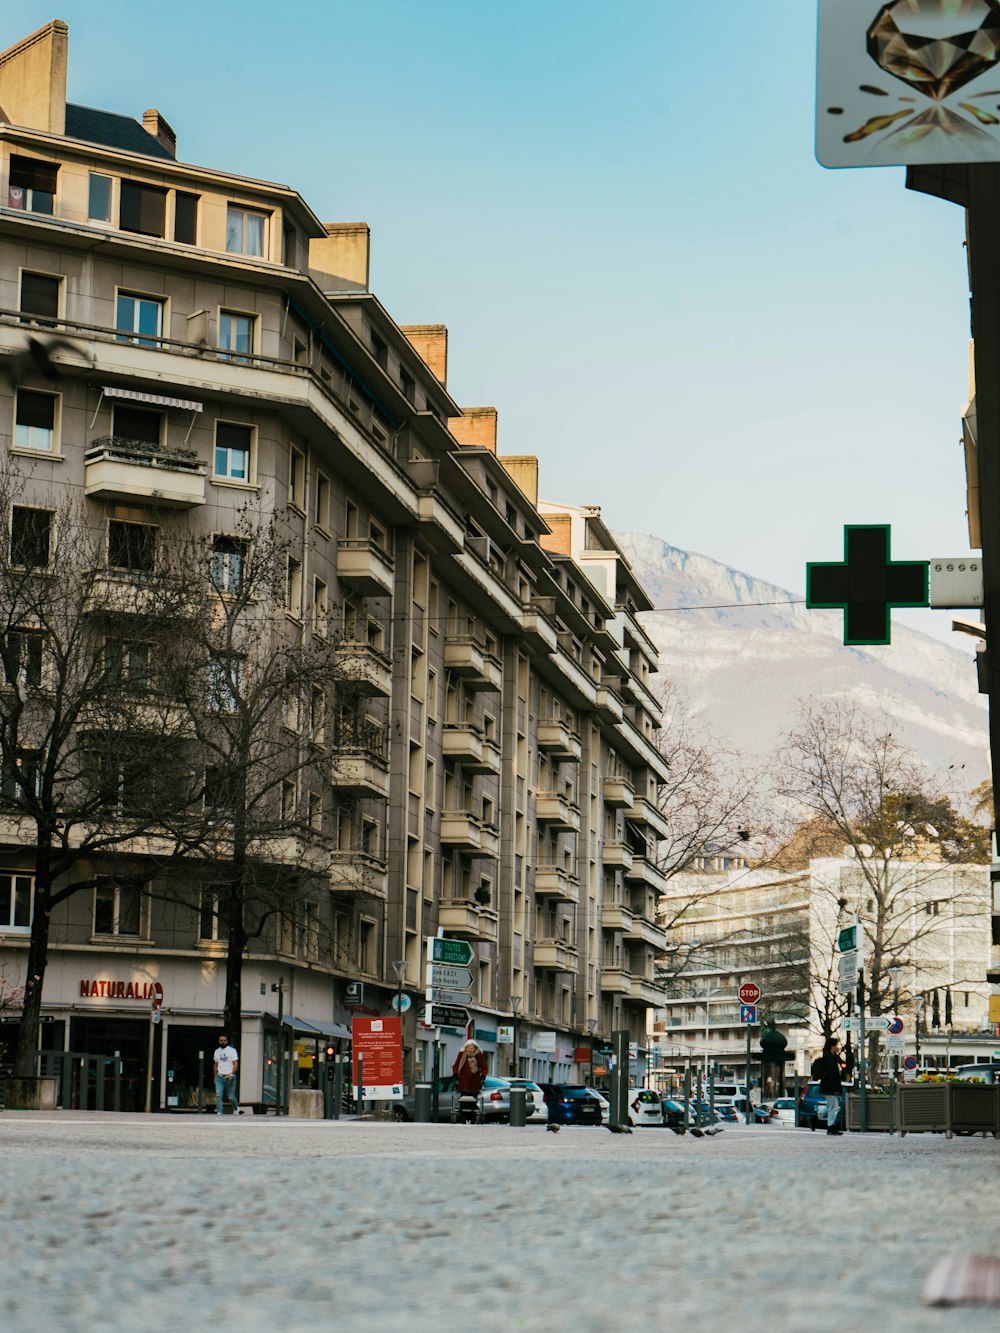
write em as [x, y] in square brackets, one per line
[780, 929]
[185, 344]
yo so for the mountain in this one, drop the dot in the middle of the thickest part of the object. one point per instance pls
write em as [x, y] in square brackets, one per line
[744, 665]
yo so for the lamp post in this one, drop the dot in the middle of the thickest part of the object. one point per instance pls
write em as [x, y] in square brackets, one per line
[515, 1007]
[399, 967]
[895, 971]
[918, 1010]
[591, 1029]
[706, 999]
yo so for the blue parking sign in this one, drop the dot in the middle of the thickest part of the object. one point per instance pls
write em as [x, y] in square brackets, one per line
[748, 1013]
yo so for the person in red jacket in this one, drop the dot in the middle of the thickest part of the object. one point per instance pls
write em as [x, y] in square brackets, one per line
[470, 1071]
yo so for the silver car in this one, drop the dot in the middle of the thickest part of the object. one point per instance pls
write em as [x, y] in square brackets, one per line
[494, 1100]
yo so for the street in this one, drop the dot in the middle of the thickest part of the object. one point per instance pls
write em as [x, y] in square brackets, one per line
[131, 1221]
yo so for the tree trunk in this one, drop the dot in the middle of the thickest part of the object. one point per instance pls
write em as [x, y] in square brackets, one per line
[38, 957]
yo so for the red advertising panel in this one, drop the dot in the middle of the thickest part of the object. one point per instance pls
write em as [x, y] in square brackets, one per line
[379, 1042]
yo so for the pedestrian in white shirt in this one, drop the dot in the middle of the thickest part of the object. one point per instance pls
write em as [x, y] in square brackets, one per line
[227, 1061]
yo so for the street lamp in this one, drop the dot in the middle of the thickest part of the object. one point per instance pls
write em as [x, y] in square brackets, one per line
[399, 967]
[918, 1010]
[706, 999]
[591, 1029]
[515, 1006]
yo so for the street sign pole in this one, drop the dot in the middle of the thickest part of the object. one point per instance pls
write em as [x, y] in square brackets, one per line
[862, 1052]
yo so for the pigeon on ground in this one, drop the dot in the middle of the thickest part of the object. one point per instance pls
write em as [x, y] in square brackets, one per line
[696, 1132]
[553, 1129]
[619, 1129]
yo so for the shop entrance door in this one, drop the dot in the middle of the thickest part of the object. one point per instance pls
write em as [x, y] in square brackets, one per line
[129, 1037]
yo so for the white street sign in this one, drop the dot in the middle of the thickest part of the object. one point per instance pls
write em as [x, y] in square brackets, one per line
[505, 1034]
[895, 1044]
[847, 985]
[847, 964]
[873, 1023]
[907, 82]
[447, 974]
[544, 1041]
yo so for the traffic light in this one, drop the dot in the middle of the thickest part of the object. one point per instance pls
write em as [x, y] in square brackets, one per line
[331, 1051]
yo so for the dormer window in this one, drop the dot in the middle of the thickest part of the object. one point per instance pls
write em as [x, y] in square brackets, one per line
[142, 209]
[244, 231]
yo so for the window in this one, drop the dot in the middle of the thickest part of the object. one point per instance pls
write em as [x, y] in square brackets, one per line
[99, 198]
[185, 217]
[213, 917]
[139, 315]
[293, 587]
[30, 537]
[126, 664]
[232, 451]
[223, 683]
[322, 502]
[40, 297]
[118, 907]
[32, 184]
[137, 425]
[244, 231]
[288, 803]
[317, 716]
[291, 708]
[22, 779]
[315, 812]
[366, 945]
[16, 894]
[142, 208]
[369, 836]
[219, 803]
[126, 785]
[320, 608]
[26, 649]
[236, 334]
[406, 383]
[35, 421]
[131, 547]
[228, 563]
[380, 351]
[296, 479]
[310, 930]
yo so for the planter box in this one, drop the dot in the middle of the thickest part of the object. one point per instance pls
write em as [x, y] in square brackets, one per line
[877, 1113]
[949, 1108]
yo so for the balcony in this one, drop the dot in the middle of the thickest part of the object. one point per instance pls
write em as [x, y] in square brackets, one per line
[131, 470]
[364, 667]
[645, 871]
[538, 631]
[555, 956]
[469, 747]
[556, 809]
[556, 739]
[615, 916]
[557, 883]
[359, 762]
[644, 812]
[619, 792]
[609, 705]
[616, 981]
[121, 593]
[363, 563]
[646, 993]
[467, 832]
[617, 856]
[359, 873]
[464, 916]
[467, 657]
[647, 932]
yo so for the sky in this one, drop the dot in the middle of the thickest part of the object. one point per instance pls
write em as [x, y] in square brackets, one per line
[617, 211]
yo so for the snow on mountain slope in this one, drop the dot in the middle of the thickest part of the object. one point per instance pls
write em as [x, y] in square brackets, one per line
[744, 667]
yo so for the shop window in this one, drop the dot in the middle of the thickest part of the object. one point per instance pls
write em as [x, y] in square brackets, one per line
[32, 186]
[39, 301]
[35, 421]
[118, 907]
[17, 893]
[142, 208]
[30, 537]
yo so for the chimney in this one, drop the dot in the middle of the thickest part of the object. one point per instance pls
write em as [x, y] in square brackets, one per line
[339, 260]
[159, 127]
[430, 342]
[560, 540]
[33, 80]
[523, 471]
[476, 428]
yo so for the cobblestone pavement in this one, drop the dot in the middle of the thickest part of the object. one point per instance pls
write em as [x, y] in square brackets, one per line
[125, 1222]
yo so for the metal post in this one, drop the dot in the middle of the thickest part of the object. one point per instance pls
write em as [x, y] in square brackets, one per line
[360, 1105]
[279, 986]
[862, 1052]
[149, 1062]
[795, 1087]
[518, 1107]
[436, 1076]
[118, 1080]
[338, 1086]
[619, 1082]
[698, 1105]
[749, 1102]
[201, 1082]
[687, 1094]
[711, 1093]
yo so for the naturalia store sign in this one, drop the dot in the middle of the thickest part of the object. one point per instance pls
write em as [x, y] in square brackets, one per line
[105, 989]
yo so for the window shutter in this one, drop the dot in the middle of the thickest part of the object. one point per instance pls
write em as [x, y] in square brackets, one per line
[28, 173]
[185, 217]
[39, 294]
[36, 409]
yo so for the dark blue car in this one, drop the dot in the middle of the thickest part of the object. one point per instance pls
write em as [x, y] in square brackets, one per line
[812, 1102]
[571, 1104]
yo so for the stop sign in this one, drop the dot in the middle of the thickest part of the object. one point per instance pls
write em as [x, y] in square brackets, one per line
[749, 992]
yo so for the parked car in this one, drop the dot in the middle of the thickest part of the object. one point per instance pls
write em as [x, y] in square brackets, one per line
[494, 1100]
[644, 1107]
[988, 1071]
[781, 1111]
[812, 1106]
[605, 1104]
[571, 1104]
[672, 1112]
[536, 1108]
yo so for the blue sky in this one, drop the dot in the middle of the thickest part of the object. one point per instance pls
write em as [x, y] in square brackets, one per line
[616, 210]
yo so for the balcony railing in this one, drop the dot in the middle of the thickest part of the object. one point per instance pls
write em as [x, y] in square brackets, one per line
[116, 468]
[556, 738]
[364, 563]
[467, 657]
[552, 807]
[363, 666]
[555, 956]
[556, 882]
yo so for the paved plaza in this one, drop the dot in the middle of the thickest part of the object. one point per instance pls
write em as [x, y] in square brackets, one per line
[125, 1222]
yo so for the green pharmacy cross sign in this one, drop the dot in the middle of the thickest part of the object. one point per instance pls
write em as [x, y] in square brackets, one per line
[866, 584]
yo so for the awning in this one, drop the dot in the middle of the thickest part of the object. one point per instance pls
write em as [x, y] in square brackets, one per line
[153, 399]
[305, 1028]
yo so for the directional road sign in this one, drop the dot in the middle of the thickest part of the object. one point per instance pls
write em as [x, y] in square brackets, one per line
[440, 950]
[847, 939]
[447, 974]
[441, 995]
[748, 1013]
[446, 1016]
[749, 992]
[873, 1023]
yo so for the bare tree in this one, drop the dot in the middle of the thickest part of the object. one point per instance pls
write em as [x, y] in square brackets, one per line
[900, 830]
[87, 762]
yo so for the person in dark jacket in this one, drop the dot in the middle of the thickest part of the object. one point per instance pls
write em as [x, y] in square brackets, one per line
[830, 1082]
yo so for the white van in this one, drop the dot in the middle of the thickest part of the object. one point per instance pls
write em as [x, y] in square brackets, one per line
[728, 1092]
[644, 1107]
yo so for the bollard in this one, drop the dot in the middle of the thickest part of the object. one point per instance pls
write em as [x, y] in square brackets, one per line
[422, 1103]
[518, 1107]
